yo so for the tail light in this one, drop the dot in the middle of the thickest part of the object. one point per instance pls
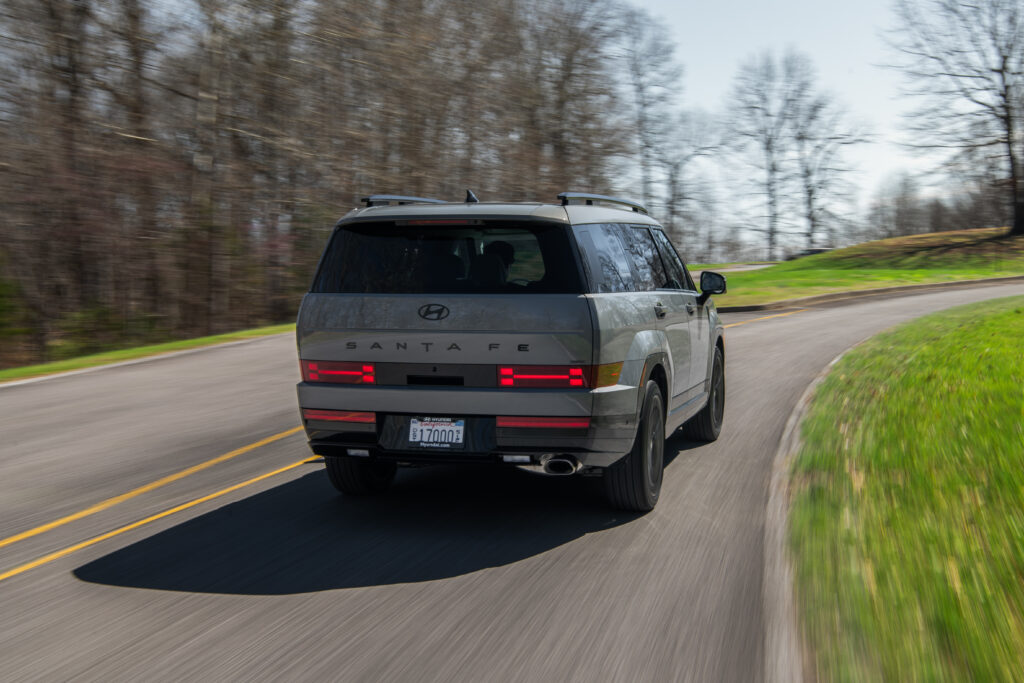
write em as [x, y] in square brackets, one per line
[541, 376]
[559, 376]
[338, 416]
[337, 372]
[549, 422]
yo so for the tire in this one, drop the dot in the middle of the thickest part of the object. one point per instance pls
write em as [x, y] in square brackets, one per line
[707, 424]
[634, 482]
[359, 477]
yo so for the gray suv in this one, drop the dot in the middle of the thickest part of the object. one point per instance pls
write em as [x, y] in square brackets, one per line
[561, 338]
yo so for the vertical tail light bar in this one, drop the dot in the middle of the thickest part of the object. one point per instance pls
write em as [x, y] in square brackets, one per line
[338, 372]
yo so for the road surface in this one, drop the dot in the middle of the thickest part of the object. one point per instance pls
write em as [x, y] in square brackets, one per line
[454, 575]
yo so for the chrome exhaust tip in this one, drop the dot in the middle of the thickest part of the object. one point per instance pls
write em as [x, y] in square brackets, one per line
[560, 465]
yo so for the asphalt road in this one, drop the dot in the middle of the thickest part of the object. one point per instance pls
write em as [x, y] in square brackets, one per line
[454, 575]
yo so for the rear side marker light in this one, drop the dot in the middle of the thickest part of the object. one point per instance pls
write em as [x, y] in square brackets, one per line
[516, 422]
[606, 375]
[338, 372]
[310, 414]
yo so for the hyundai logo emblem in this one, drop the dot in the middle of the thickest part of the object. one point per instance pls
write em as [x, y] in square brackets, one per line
[433, 312]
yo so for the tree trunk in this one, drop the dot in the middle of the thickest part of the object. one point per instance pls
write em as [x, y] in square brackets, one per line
[1013, 158]
[810, 208]
[772, 189]
[1018, 218]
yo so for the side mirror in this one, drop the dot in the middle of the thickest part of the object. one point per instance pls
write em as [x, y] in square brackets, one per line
[710, 283]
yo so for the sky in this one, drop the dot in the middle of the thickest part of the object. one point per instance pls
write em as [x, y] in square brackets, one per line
[843, 39]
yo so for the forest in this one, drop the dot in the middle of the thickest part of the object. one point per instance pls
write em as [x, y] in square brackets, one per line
[172, 169]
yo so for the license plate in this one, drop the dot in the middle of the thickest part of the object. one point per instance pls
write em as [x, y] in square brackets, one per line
[436, 432]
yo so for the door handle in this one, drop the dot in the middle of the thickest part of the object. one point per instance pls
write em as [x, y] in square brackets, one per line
[659, 310]
[691, 309]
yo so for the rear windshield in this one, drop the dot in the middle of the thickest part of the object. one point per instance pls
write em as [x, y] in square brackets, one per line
[490, 258]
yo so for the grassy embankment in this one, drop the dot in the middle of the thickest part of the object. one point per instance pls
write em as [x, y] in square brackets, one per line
[907, 520]
[137, 352]
[918, 259]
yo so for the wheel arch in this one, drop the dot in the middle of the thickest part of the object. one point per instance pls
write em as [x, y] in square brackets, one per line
[655, 369]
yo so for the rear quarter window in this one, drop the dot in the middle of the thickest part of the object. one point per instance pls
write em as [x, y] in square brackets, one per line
[604, 257]
[643, 253]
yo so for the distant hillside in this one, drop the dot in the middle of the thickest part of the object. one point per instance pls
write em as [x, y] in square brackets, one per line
[958, 248]
[917, 259]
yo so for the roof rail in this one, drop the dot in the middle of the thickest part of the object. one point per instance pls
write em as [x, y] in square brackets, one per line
[589, 199]
[387, 199]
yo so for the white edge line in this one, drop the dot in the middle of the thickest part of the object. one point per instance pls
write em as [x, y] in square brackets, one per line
[784, 652]
[136, 361]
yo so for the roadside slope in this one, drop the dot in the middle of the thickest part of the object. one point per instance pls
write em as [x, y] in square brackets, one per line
[120, 356]
[907, 503]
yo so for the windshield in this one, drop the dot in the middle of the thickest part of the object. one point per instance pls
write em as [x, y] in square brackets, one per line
[491, 258]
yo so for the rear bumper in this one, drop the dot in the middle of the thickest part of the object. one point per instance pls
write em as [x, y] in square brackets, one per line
[612, 413]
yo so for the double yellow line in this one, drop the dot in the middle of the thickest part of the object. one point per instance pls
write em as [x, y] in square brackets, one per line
[163, 481]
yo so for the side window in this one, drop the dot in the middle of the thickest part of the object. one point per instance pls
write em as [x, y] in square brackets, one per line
[676, 271]
[605, 258]
[650, 271]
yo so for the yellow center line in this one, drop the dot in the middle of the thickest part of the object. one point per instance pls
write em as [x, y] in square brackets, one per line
[767, 317]
[111, 502]
[152, 518]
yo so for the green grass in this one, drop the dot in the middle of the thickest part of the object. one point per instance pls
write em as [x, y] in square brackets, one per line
[907, 519]
[137, 352]
[713, 266]
[918, 259]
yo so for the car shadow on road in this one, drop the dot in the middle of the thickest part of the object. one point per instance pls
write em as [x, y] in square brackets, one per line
[302, 536]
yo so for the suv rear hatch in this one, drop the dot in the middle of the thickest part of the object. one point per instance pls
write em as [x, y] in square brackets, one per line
[440, 304]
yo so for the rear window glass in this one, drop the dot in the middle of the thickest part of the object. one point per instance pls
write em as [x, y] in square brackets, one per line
[493, 258]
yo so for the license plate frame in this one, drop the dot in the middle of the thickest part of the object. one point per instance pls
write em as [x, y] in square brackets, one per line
[437, 433]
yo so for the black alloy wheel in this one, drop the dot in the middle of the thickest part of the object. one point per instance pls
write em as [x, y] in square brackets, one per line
[707, 424]
[634, 482]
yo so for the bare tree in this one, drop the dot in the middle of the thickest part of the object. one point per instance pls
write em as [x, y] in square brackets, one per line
[690, 137]
[820, 134]
[763, 99]
[965, 60]
[897, 208]
[654, 78]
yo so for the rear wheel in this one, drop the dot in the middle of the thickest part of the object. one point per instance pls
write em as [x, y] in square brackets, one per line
[707, 424]
[634, 482]
[358, 476]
